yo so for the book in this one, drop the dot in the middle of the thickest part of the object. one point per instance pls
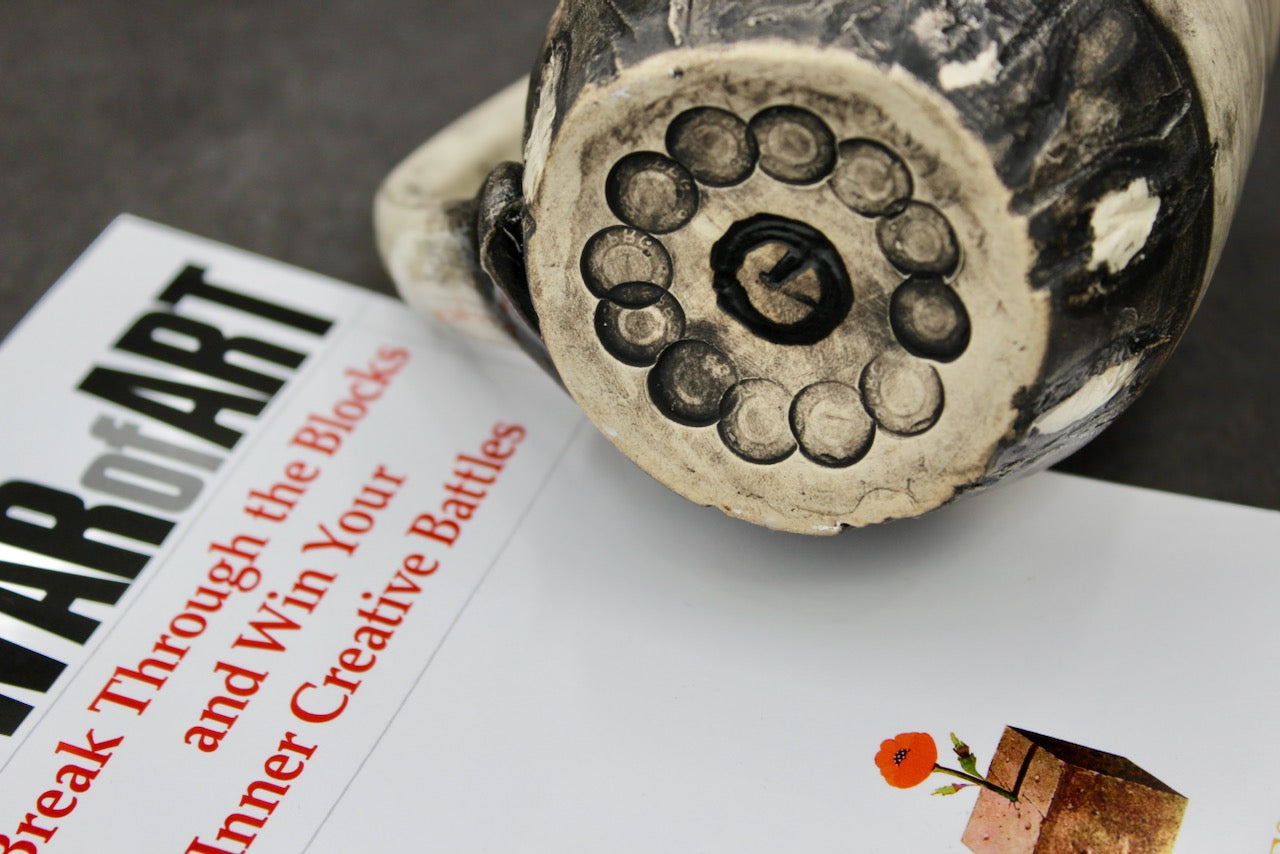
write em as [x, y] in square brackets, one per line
[283, 568]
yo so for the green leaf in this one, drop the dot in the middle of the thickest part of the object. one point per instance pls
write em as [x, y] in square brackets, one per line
[950, 790]
[968, 761]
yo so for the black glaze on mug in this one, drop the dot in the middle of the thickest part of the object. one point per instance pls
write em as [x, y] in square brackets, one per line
[1061, 65]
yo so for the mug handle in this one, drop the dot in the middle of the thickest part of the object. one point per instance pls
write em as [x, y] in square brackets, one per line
[424, 215]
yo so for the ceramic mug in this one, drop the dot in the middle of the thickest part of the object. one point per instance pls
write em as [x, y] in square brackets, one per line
[825, 264]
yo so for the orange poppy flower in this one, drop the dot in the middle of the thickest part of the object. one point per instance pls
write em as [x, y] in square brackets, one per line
[908, 759]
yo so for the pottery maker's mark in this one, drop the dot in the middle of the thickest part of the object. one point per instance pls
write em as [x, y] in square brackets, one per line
[781, 279]
[929, 319]
[716, 146]
[796, 147]
[652, 192]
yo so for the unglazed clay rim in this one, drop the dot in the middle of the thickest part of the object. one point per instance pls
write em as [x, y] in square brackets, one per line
[900, 476]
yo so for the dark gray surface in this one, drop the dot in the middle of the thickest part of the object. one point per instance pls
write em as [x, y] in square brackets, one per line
[269, 126]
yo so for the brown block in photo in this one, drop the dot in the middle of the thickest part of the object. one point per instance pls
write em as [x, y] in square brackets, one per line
[1071, 800]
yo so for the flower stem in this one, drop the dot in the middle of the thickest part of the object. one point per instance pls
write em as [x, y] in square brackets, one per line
[977, 781]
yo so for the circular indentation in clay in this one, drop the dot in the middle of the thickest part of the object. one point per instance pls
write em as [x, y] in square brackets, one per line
[714, 145]
[929, 319]
[689, 381]
[919, 240]
[781, 279]
[754, 421]
[796, 147]
[637, 321]
[620, 255]
[651, 192]
[871, 179]
[831, 424]
[902, 394]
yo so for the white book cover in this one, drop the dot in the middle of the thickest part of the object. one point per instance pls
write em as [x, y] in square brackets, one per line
[284, 569]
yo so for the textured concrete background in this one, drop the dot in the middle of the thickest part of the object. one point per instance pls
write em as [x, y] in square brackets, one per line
[269, 126]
